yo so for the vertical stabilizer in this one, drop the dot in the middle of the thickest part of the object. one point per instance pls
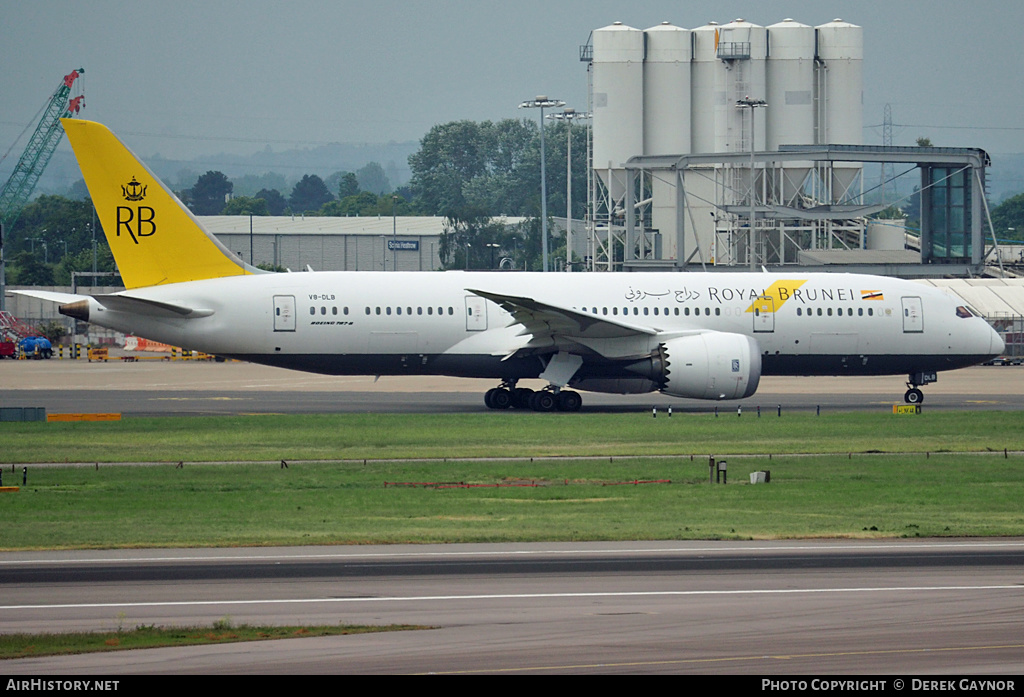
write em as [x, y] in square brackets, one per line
[154, 238]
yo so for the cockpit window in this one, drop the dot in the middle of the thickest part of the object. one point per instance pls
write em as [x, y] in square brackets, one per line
[966, 312]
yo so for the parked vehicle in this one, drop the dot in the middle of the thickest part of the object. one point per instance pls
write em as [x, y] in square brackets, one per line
[36, 347]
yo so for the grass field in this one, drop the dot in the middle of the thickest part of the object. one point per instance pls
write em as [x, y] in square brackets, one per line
[841, 475]
[512, 434]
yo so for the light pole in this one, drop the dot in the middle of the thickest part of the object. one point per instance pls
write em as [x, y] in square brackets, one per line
[542, 102]
[394, 233]
[492, 246]
[568, 115]
[748, 103]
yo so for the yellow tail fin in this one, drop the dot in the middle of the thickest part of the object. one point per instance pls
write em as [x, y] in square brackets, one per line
[154, 238]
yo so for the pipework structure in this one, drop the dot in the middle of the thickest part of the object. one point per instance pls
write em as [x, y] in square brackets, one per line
[674, 91]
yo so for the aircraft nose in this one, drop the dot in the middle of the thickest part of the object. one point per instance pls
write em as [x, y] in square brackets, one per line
[996, 343]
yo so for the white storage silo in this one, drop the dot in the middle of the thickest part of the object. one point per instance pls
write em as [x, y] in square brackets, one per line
[701, 189]
[840, 93]
[790, 110]
[667, 90]
[618, 83]
[703, 98]
[666, 119]
[742, 50]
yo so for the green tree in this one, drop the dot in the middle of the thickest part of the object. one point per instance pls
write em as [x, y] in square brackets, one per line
[1009, 214]
[346, 183]
[28, 269]
[309, 194]
[82, 261]
[246, 205]
[56, 221]
[210, 193]
[371, 178]
[276, 203]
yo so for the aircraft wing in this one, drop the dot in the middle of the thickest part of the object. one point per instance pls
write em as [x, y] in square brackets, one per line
[544, 319]
[552, 329]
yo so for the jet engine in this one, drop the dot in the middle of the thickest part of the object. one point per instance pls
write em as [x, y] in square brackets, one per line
[711, 365]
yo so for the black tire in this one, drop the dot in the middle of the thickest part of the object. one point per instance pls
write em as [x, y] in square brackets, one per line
[542, 401]
[913, 396]
[569, 401]
[521, 398]
[500, 398]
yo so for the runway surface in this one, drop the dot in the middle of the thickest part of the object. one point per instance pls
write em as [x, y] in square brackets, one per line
[155, 388]
[767, 608]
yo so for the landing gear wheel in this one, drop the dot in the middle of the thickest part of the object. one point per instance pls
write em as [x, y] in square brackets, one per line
[569, 401]
[542, 401]
[913, 396]
[501, 398]
[521, 398]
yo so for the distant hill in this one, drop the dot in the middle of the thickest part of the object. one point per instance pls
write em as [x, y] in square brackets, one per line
[323, 160]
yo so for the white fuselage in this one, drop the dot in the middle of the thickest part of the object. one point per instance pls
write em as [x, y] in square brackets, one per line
[398, 323]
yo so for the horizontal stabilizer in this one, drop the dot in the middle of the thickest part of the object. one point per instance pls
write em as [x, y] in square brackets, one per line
[50, 296]
[120, 302]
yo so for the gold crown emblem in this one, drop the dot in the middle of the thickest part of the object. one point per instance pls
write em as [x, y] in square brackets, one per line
[132, 191]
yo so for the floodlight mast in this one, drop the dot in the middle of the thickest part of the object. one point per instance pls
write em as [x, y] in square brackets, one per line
[568, 115]
[752, 104]
[542, 102]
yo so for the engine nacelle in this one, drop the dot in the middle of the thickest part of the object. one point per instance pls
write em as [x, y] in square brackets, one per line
[711, 365]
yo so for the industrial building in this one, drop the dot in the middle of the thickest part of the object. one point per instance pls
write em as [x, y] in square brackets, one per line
[739, 144]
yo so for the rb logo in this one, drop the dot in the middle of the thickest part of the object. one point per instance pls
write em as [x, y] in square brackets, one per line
[142, 216]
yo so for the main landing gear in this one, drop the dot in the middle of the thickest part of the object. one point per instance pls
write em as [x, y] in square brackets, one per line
[914, 395]
[549, 399]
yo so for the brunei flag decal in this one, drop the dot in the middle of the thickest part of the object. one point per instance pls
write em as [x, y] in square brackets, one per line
[871, 295]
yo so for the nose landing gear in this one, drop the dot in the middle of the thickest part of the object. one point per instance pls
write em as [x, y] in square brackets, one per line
[914, 395]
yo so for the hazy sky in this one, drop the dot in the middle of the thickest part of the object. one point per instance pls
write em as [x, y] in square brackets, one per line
[189, 77]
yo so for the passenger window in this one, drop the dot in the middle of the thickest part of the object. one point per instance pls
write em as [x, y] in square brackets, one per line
[312, 310]
[334, 310]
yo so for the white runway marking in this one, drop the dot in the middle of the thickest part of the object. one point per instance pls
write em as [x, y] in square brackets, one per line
[515, 596]
[449, 554]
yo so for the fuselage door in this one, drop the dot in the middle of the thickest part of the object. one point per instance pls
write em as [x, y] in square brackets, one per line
[913, 315]
[476, 313]
[764, 314]
[284, 313]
